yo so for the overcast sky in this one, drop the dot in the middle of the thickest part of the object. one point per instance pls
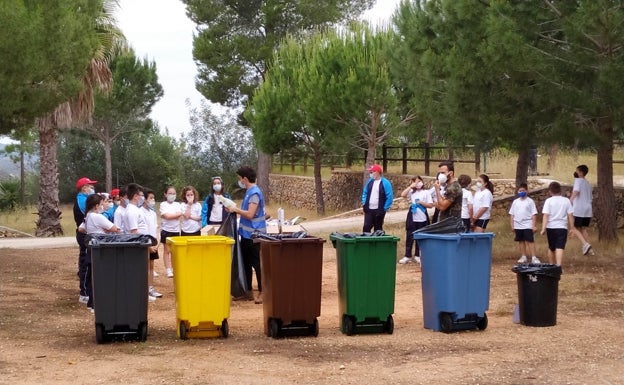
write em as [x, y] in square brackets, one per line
[160, 30]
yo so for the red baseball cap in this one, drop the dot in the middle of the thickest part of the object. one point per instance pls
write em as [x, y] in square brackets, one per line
[114, 192]
[375, 168]
[83, 181]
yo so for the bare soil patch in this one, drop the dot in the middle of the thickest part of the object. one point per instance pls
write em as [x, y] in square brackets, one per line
[47, 336]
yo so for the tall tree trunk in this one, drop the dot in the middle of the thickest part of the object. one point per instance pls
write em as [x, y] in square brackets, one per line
[49, 222]
[108, 163]
[522, 165]
[605, 214]
[22, 176]
[552, 157]
[262, 174]
[318, 182]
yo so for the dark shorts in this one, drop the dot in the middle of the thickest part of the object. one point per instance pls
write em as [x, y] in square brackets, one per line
[581, 222]
[166, 234]
[154, 256]
[557, 238]
[482, 223]
[182, 233]
[524, 235]
[466, 222]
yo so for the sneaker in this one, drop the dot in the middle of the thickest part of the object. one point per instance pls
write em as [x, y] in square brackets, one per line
[154, 293]
[586, 248]
[417, 260]
[405, 260]
[248, 296]
[83, 298]
[535, 260]
[90, 309]
[155, 273]
[151, 298]
[523, 259]
[170, 273]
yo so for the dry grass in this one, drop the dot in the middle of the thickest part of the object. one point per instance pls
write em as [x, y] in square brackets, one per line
[25, 219]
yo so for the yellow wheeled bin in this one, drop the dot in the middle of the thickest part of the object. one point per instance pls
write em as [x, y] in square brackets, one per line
[202, 273]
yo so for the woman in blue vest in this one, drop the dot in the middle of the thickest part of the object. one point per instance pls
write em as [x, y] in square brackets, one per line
[252, 219]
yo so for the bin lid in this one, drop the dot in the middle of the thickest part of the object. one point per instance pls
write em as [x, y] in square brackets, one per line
[199, 240]
[362, 237]
[546, 269]
[114, 240]
[458, 237]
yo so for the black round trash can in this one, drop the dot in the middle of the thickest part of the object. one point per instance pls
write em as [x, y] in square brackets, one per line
[538, 291]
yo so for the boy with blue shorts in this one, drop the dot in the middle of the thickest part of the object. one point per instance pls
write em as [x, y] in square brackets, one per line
[557, 216]
[523, 217]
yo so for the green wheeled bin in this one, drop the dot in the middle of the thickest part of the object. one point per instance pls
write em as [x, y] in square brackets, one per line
[366, 282]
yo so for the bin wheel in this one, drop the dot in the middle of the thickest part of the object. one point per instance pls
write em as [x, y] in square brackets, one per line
[183, 330]
[225, 329]
[389, 326]
[314, 328]
[142, 334]
[483, 322]
[274, 327]
[349, 324]
[446, 322]
[100, 334]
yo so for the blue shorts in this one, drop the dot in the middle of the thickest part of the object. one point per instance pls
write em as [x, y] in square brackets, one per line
[524, 235]
[557, 238]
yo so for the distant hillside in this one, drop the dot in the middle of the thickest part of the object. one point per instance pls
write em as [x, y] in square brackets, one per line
[8, 169]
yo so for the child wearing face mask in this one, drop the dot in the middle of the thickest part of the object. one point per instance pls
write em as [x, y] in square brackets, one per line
[191, 212]
[213, 211]
[151, 218]
[417, 216]
[170, 213]
[523, 219]
[482, 203]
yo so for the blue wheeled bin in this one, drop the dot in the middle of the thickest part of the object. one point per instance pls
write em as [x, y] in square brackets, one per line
[455, 280]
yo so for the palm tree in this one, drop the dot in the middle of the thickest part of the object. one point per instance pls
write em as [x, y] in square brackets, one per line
[69, 114]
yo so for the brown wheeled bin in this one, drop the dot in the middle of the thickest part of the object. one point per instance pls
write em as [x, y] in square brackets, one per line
[291, 285]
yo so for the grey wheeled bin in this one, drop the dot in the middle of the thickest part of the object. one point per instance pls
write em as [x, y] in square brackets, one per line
[119, 271]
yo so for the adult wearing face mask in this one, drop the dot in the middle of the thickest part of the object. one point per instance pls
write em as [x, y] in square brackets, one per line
[448, 202]
[377, 197]
[85, 187]
[213, 210]
[252, 219]
[170, 213]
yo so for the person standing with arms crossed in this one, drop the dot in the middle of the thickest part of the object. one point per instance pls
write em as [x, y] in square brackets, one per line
[377, 198]
[252, 219]
[170, 213]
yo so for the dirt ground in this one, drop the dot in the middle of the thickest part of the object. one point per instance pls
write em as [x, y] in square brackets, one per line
[46, 336]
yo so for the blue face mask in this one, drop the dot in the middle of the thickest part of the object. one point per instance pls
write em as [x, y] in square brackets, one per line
[522, 194]
[141, 201]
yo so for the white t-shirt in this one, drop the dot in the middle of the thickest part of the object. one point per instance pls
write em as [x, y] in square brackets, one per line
[192, 225]
[582, 203]
[170, 225]
[467, 200]
[152, 221]
[558, 208]
[483, 198]
[421, 196]
[118, 218]
[135, 220]
[216, 212]
[373, 199]
[96, 223]
[522, 211]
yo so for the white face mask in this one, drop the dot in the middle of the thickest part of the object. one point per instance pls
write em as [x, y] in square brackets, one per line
[241, 184]
[91, 191]
[371, 175]
[442, 178]
[419, 185]
[190, 199]
[171, 198]
[216, 187]
[479, 185]
[151, 203]
[110, 205]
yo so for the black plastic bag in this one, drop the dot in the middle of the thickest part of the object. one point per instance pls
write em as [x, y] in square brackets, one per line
[450, 225]
[545, 269]
[104, 240]
[229, 228]
[376, 233]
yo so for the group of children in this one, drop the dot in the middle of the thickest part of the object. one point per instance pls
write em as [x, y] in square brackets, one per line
[131, 209]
